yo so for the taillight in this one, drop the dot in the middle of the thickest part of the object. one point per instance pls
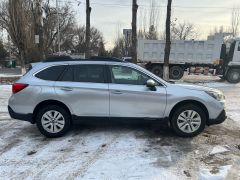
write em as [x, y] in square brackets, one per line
[18, 87]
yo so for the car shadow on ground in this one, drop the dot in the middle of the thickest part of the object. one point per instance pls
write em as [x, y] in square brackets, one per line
[160, 141]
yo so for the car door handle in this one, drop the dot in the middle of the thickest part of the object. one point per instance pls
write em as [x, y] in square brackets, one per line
[66, 89]
[117, 92]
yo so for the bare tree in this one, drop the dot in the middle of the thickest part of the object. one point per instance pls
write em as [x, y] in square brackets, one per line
[122, 46]
[154, 14]
[102, 51]
[151, 18]
[3, 51]
[16, 18]
[29, 17]
[183, 30]
[88, 12]
[50, 26]
[168, 42]
[235, 22]
[152, 33]
[134, 30]
[76, 39]
[119, 48]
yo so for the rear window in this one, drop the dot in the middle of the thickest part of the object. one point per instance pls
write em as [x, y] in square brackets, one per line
[89, 73]
[51, 73]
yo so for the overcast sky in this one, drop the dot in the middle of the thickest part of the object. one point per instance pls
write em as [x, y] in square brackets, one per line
[109, 15]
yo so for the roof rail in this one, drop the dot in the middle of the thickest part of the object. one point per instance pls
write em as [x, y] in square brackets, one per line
[93, 58]
[100, 58]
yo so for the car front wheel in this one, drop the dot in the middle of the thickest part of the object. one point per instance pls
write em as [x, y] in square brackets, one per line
[188, 120]
[53, 121]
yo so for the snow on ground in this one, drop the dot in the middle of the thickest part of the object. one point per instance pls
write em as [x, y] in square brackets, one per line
[116, 151]
[10, 75]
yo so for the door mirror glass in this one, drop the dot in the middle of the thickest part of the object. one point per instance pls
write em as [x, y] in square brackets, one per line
[151, 83]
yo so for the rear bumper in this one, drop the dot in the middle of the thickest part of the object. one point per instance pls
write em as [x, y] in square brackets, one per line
[24, 117]
[220, 119]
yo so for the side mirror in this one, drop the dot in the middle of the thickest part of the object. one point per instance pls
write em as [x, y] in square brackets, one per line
[151, 83]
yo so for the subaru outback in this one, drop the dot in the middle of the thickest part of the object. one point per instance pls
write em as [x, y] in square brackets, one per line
[57, 95]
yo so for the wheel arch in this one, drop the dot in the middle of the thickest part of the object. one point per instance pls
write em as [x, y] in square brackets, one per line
[194, 102]
[49, 102]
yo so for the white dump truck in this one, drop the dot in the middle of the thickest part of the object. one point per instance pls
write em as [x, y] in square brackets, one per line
[198, 57]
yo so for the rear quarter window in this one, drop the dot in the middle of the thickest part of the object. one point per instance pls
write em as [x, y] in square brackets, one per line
[51, 73]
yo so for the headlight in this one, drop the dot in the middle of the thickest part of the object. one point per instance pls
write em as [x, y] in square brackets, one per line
[218, 95]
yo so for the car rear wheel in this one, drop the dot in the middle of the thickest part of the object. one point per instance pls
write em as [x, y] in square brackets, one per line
[188, 120]
[53, 121]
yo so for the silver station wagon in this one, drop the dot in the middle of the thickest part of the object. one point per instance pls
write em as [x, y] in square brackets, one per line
[58, 94]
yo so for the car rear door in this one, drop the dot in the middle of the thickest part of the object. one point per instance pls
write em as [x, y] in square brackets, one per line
[130, 97]
[84, 89]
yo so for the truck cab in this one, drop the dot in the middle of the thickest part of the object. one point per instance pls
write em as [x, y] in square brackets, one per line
[232, 73]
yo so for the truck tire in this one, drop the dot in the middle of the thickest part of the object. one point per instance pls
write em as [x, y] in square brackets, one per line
[233, 76]
[176, 72]
[157, 70]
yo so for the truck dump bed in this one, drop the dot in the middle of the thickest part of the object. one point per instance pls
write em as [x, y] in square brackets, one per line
[191, 51]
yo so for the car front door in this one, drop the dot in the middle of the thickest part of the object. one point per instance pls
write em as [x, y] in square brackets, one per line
[130, 97]
[84, 89]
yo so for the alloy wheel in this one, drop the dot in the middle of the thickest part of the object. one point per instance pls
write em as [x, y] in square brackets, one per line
[189, 121]
[53, 121]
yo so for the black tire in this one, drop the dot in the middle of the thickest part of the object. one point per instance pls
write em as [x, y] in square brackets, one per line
[175, 119]
[66, 118]
[233, 76]
[176, 72]
[157, 70]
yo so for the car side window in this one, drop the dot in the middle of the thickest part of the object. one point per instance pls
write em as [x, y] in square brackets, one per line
[127, 75]
[89, 73]
[51, 73]
[68, 74]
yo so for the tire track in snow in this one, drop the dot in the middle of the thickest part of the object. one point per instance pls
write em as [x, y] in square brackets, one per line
[92, 159]
[58, 160]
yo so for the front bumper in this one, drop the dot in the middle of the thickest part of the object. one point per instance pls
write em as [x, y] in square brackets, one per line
[24, 117]
[220, 119]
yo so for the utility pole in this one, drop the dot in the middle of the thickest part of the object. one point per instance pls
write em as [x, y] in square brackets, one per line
[88, 25]
[168, 42]
[134, 30]
[39, 39]
[58, 27]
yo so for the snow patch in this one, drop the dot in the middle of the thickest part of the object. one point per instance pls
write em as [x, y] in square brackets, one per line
[218, 150]
[205, 174]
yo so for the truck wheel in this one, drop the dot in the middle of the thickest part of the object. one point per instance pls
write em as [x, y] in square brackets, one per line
[157, 70]
[176, 72]
[233, 76]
